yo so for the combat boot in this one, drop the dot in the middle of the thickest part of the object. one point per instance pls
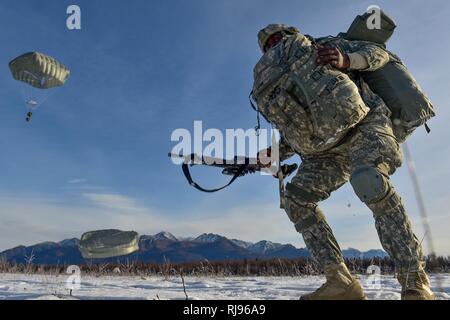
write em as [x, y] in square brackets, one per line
[415, 286]
[340, 285]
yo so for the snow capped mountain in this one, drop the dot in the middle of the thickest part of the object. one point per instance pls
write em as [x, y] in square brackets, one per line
[264, 246]
[357, 254]
[144, 238]
[186, 238]
[208, 238]
[212, 237]
[241, 243]
[165, 246]
[74, 242]
[164, 236]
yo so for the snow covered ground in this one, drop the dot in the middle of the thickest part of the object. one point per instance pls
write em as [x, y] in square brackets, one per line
[20, 286]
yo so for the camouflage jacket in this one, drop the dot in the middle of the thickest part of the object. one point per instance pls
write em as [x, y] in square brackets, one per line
[376, 57]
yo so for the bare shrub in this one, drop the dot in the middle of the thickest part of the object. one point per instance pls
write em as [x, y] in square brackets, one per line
[206, 268]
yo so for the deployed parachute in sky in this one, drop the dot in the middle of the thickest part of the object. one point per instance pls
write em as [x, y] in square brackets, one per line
[37, 70]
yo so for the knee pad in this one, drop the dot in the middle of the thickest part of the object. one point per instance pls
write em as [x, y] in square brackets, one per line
[369, 185]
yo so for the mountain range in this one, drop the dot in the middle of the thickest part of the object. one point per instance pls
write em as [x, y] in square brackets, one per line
[164, 246]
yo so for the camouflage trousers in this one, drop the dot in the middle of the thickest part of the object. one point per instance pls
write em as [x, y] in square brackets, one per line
[371, 148]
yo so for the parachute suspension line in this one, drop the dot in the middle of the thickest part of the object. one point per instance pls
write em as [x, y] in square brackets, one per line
[43, 81]
[31, 74]
[419, 197]
[34, 97]
[30, 102]
[422, 209]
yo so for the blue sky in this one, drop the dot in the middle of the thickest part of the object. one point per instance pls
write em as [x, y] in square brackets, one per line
[95, 155]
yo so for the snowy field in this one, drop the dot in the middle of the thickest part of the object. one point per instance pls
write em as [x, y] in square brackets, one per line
[25, 287]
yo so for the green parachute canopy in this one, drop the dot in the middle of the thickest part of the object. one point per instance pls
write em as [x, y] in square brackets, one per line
[39, 70]
[102, 244]
[35, 71]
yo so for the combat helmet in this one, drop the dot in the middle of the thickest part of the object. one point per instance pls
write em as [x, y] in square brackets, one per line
[268, 31]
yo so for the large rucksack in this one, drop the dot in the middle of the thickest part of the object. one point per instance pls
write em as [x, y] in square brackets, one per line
[359, 29]
[394, 83]
[314, 106]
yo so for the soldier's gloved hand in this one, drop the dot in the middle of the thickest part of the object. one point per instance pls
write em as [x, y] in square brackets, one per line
[333, 57]
[264, 160]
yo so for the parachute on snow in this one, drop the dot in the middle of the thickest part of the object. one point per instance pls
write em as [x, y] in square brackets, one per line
[103, 244]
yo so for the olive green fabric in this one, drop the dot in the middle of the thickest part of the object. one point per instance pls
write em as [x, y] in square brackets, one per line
[410, 106]
[39, 70]
[359, 29]
[108, 243]
[394, 83]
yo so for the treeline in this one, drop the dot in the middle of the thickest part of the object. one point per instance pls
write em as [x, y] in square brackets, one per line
[273, 267]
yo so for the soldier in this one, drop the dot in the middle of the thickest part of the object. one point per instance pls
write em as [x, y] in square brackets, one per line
[366, 156]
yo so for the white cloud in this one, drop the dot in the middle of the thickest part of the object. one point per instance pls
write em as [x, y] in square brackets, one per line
[113, 201]
[77, 181]
[84, 187]
[81, 184]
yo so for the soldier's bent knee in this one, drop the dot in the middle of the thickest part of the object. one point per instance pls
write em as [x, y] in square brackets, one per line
[301, 206]
[309, 220]
[303, 216]
[369, 185]
[302, 209]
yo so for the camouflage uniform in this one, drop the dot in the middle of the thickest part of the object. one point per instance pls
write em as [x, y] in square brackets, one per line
[368, 155]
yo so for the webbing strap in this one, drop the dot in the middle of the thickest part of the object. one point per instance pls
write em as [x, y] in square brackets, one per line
[188, 176]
